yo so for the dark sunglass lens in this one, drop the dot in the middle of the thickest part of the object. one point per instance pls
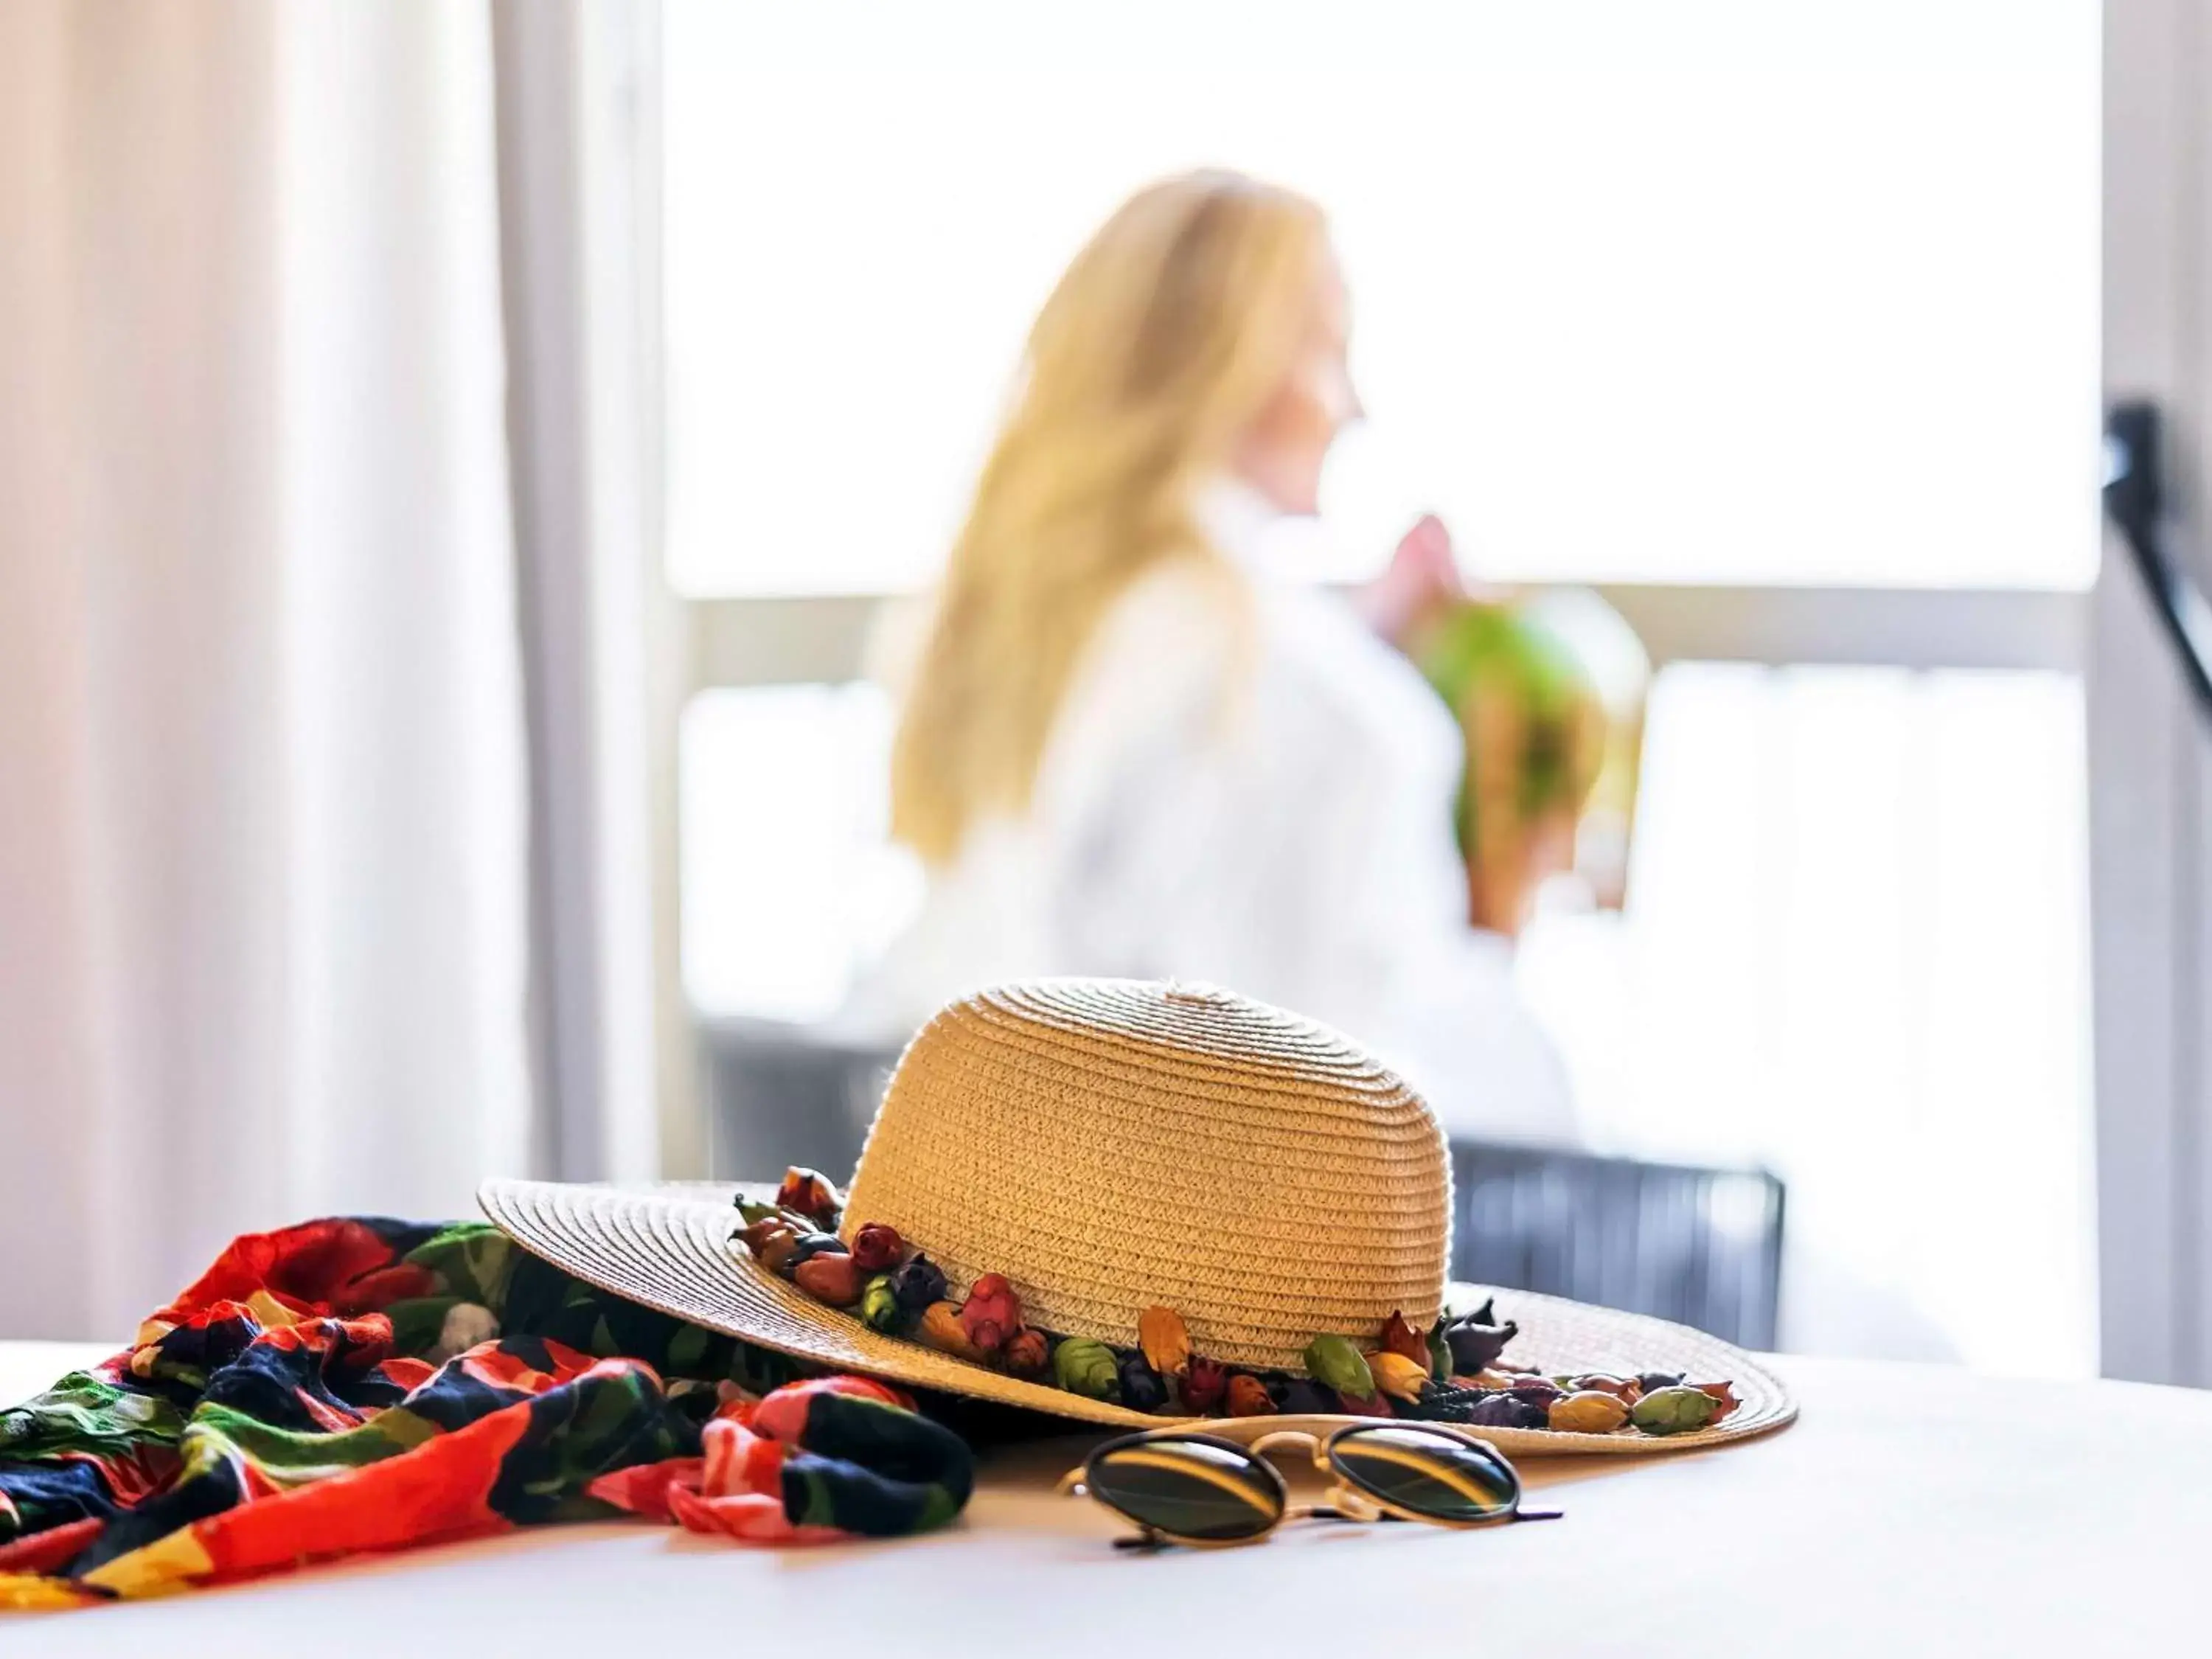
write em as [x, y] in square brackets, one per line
[1427, 1472]
[1188, 1488]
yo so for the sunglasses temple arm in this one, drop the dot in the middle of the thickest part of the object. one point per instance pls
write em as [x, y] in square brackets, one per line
[1539, 1515]
[1146, 1540]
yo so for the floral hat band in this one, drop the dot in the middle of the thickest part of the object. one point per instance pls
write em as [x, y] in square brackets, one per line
[1454, 1371]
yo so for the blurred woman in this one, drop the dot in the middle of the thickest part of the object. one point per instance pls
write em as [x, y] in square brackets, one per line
[1132, 746]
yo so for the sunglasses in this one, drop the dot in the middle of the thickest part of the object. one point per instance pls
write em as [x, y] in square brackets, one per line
[1206, 1490]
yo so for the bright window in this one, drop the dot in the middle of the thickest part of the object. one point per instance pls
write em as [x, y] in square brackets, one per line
[1798, 294]
[789, 877]
[1719, 292]
[1856, 949]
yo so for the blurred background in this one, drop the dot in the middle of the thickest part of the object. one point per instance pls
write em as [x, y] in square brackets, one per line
[465, 468]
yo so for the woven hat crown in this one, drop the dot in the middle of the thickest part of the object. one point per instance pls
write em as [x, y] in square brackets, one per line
[1111, 1146]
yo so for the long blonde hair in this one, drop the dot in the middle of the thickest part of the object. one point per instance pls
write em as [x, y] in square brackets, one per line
[1158, 348]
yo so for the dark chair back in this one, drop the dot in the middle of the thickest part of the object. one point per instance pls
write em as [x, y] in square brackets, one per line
[1702, 1247]
[781, 1094]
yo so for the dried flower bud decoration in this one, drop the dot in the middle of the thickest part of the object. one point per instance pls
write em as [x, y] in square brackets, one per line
[879, 1306]
[1440, 1360]
[774, 1246]
[753, 1210]
[991, 1313]
[1623, 1389]
[1400, 1337]
[1724, 1392]
[1303, 1395]
[809, 1245]
[1373, 1405]
[1593, 1411]
[1205, 1386]
[809, 1192]
[753, 1233]
[1673, 1411]
[1142, 1388]
[1477, 1339]
[1248, 1396]
[831, 1277]
[1333, 1361]
[1027, 1353]
[878, 1249]
[941, 1329]
[1397, 1376]
[1165, 1341]
[1503, 1411]
[917, 1284]
[1086, 1367]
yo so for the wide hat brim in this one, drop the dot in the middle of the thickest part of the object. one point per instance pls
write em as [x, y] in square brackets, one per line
[668, 1247]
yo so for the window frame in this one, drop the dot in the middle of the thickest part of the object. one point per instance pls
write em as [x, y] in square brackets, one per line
[781, 640]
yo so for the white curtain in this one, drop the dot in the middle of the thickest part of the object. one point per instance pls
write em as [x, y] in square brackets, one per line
[264, 912]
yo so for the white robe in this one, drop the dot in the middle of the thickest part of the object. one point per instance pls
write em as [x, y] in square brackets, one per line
[1270, 812]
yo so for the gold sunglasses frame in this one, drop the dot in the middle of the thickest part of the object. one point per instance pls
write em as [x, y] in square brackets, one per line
[1344, 1500]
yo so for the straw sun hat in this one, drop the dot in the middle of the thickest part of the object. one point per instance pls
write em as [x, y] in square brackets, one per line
[1111, 1146]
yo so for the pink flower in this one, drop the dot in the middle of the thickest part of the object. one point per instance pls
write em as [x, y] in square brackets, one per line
[991, 1313]
[877, 1248]
[1205, 1384]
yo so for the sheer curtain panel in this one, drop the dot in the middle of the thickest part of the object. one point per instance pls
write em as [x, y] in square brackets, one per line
[263, 925]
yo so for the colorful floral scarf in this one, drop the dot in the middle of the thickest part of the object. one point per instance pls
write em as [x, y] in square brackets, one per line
[358, 1385]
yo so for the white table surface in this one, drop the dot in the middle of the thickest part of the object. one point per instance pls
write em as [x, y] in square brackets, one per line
[1912, 1511]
